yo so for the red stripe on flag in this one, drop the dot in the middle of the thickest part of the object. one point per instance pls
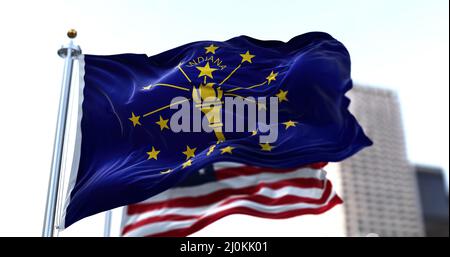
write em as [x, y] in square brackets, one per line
[245, 210]
[225, 173]
[201, 223]
[223, 194]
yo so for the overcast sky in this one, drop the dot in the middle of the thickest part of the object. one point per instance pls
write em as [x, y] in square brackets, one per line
[400, 45]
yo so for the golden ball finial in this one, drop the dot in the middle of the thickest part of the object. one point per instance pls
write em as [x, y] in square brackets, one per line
[72, 33]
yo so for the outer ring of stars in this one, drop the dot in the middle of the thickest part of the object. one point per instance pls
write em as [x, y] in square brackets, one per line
[207, 71]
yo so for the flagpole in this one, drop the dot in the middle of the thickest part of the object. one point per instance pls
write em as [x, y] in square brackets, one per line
[69, 53]
[107, 228]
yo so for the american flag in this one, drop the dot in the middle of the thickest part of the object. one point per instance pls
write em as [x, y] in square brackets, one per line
[226, 188]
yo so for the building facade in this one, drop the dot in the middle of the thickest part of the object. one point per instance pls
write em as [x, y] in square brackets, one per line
[379, 185]
[434, 200]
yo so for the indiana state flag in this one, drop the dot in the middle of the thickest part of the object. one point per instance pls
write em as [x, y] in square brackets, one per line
[147, 123]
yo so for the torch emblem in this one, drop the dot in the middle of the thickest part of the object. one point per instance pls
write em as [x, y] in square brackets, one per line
[209, 100]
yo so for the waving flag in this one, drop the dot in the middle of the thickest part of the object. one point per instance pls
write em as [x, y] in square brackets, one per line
[135, 142]
[214, 193]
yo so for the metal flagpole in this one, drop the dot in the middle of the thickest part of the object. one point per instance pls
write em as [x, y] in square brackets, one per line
[69, 53]
[107, 228]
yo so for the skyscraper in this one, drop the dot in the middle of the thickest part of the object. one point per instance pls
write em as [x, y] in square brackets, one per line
[434, 200]
[379, 186]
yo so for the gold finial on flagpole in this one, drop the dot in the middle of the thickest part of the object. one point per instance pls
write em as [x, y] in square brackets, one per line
[73, 49]
[72, 33]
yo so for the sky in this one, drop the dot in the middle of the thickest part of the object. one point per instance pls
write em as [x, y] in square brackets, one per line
[400, 45]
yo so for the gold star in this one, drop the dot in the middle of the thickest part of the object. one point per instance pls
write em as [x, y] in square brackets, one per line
[153, 154]
[266, 147]
[290, 123]
[227, 149]
[247, 57]
[272, 76]
[211, 49]
[211, 149]
[147, 87]
[206, 70]
[282, 96]
[189, 152]
[162, 123]
[135, 119]
[165, 172]
[187, 163]
[254, 132]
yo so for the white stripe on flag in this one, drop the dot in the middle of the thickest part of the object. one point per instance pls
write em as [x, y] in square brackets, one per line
[312, 193]
[234, 183]
[159, 227]
[184, 210]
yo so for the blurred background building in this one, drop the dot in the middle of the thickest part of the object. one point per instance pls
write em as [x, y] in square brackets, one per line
[379, 185]
[434, 200]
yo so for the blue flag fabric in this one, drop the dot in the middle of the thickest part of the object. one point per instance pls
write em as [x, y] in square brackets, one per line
[129, 152]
